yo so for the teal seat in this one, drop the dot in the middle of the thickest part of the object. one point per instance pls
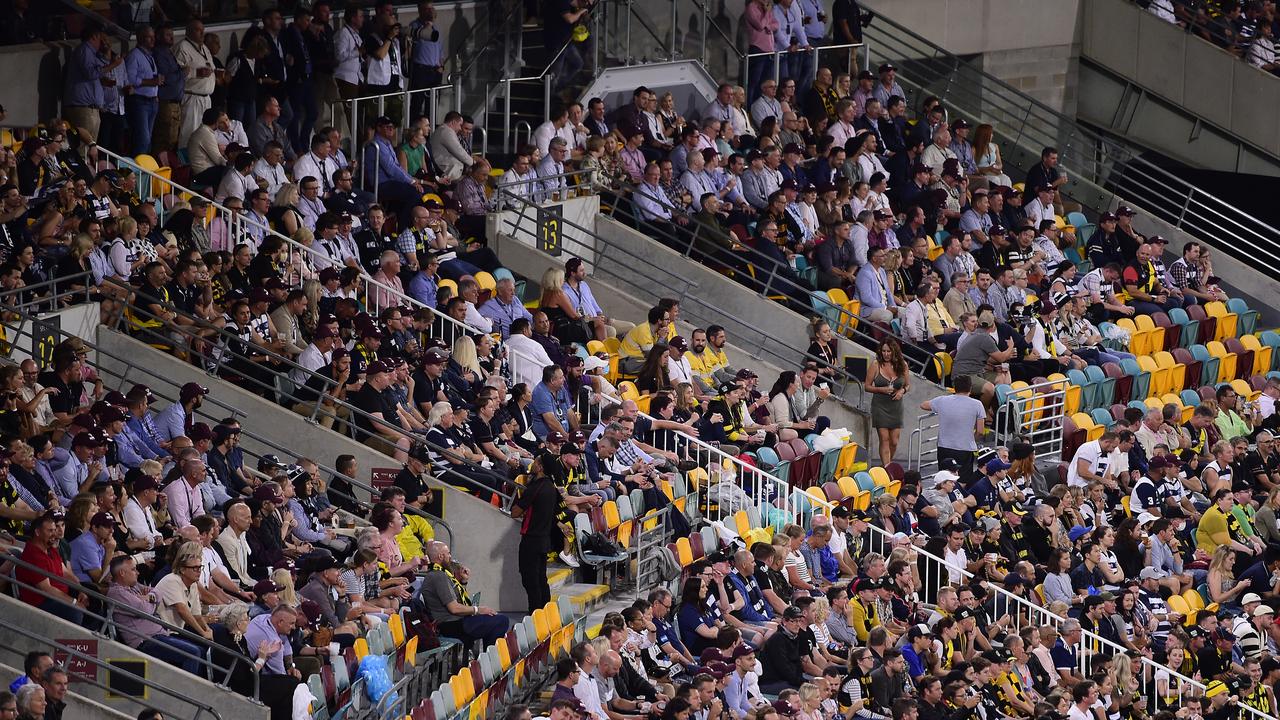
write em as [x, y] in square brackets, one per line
[1137, 405]
[1077, 219]
[782, 470]
[864, 481]
[767, 457]
[1085, 231]
[1088, 388]
[827, 471]
[1208, 364]
[1189, 397]
[1141, 378]
[1106, 386]
[1102, 416]
[1190, 328]
[1271, 339]
[1247, 320]
[823, 306]
[1003, 391]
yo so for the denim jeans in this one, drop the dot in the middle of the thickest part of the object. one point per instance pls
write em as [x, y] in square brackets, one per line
[141, 113]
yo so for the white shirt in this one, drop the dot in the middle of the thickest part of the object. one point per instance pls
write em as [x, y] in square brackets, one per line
[1091, 453]
[312, 359]
[1037, 212]
[235, 184]
[476, 320]
[517, 185]
[1163, 9]
[140, 522]
[274, 175]
[543, 134]
[589, 694]
[347, 53]
[384, 71]
[322, 169]
[956, 561]
[679, 371]
[527, 358]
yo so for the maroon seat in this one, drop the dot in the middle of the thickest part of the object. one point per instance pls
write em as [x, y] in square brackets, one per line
[1172, 331]
[1207, 392]
[1194, 366]
[832, 491]
[1124, 382]
[1244, 357]
[1117, 412]
[1208, 325]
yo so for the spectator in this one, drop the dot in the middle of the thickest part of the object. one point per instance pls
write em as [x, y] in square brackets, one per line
[447, 600]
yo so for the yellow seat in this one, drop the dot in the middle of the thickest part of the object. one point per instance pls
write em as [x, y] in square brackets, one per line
[1159, 377]
[1179, 605]
[552, 612]
[1194, 600]
[880, 476]
[839, 298]
[395, 624]
[628, 391]
[684, 553]
[848, 456]
[361, 648]
[540, 626]
[486, 281]
[1070, 396]
[1261, 354]
[943, 360]
[741, 523]
[1243, 390]
[852, 310]
[504, 655]
[848, 487]
[1226, 361]
[595, 347]
[1124, 502]
[411, 651]
[817, 494]
[1226, 319]
[1171, 399]
[1177, 371]
[1139, 341]
[1154, 402]
[1092, 431]
[1155, 333]
[613, 521]
[453, 286]
[862, 501]
[467, 685]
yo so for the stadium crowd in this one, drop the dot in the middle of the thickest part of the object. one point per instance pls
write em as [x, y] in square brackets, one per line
[843, 184]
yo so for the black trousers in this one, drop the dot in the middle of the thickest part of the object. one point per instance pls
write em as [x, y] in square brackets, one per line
[962, 457]
[533, 570]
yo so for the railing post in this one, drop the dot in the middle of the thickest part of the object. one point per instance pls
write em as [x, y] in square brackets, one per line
[506, 117]
[675, 19]
[548, 81]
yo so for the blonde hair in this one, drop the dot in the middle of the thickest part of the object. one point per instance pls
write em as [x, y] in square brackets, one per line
[1221, 559]
[284, 578]
[809, 692]
[287, 195]
[552, 280]
[821, 609]
[464, 353]
[126, 226]
[151, 467]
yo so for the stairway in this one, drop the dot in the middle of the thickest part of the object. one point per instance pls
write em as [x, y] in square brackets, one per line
[528, 100]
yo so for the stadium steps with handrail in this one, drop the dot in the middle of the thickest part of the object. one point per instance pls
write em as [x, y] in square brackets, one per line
[78, 705]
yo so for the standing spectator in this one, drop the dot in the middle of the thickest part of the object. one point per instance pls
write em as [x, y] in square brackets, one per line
[761, 26]
[86, 70]
[301, 67]
[888, 381]
[143, 104]
[197, 66]
[349, 53]
[557, 33]
[961, 421]
[426, 59]
[171, 90]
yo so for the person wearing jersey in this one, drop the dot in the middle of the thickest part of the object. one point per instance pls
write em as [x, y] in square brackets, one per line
[1146, 292]
[1257, 695]
[855, 691]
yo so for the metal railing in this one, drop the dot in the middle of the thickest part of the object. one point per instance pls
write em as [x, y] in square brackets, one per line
[777, 283]
[1033, 414]
[15, 631]
[935, 572]
[108, 620]
[922, 444]
[133, 369]
[50, 294]
[298, 256]
[406, 101]
[280, 385]
[1107, 169]
[778, 55]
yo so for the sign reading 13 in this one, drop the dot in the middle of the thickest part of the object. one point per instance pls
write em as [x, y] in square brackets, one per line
[551, 229]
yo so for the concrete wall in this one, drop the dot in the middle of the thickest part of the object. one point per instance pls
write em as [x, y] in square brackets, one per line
[228, 704]
[491, 555]
[78, 706]
[1182, 70]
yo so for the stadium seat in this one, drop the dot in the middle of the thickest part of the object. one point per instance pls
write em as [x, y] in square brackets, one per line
[1172, 332]
[1141, 379]
[1246, 319]
[1226, 320]
[1208, 324]
[1088, 388]
[1155, 333]
[1193, 367]
[1177, 372]
[1124, 381]
[1244, 357]
[1190, 328]
[1102, 417]
[1208, 363]
[1242, 388]
[1159, 377]
[1106, 391]
[1226, 362]
[1139, 341]
[1261, 354]
[1071, 393]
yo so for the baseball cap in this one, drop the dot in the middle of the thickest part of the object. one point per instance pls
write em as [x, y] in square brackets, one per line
[1150, 573]
[726, 387]
[145, 483]
[434, 357]
[192, 390]
[116, 398]
[259, 295]
[997, 465]
[792, 613]
[1146, 517]
[103, 519]
[265, 493]
[88, 439]
[1263, 610]
[1125, 211]
[886, 67]
[679, 343]
[200, 431]
[1250, 597]
[330, 273]
[1077, 532]
[110, 414]
[919, 631]
[792, 148]
[555, 437]
[593, 363]
[1107, 217]
[743, 650]
[262, 587]
[570, 449]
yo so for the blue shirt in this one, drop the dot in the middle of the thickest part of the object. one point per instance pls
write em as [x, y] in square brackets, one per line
[545, 402]
[84, 77]
[172, 422]
[915, 666]
[130, 450]
[379, 157]
[262, 631]
[422, 287]
[141, 65]
[144, 428]
[86, 554]
[427, 46]
[815, 29]
[503, 315]
[651, 203]
[873, 288]
[175, 80]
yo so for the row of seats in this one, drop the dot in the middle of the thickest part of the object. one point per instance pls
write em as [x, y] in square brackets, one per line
[518, 663]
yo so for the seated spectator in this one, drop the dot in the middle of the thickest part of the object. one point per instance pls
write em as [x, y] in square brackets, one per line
[446, 599]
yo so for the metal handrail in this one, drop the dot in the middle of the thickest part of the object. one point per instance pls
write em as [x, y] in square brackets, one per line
[7, 296]
[112, 607]
[508, 11]
[1096, 641]
[201, 708]
[290, 365]
[1113, 167]
[845, 322]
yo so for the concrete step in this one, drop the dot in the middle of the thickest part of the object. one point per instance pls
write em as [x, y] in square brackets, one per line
[613, 603]
[584, 596]
[558, 576]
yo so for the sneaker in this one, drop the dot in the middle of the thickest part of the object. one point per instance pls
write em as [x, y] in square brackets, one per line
[570, 559]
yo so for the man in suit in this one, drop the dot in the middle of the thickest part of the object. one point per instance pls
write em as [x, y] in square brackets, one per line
[447, 150]
[595, 122]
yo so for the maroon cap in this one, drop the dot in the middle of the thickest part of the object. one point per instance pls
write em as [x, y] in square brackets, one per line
[103, 519]
[265, 493]
[191, 390]
[200, 431]
[110, 414]
[117, 398]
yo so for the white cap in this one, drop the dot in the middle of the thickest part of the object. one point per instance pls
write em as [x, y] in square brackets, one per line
[942, 476]
[1262, 610]
[594, 363]
[1146, 517]
[1250, 597]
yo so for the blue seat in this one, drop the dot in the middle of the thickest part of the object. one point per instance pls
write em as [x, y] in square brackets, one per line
[1208, 364]
[1003, 391]
[1085, 231]
[503, 274]
[864, 481]
[823, 306]
[1077, 219]
[1190, 328]
[1102, 417]
[767, 457]
[1141, 378]
[1189, 397]
[1137, 405]
[1106, 392]
[1246, 319]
